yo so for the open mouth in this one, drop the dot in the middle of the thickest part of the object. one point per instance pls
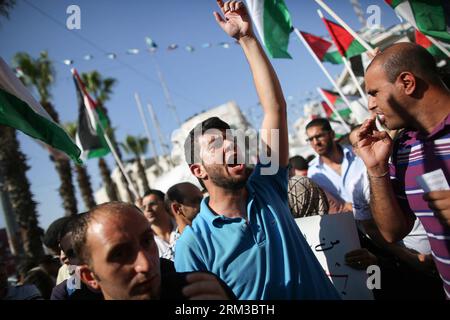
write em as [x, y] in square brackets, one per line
[381, 118]
[380, 122]
[236, 168]
[234, 165]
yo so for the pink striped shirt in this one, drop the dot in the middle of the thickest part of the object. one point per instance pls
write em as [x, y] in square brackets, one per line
[415, 154]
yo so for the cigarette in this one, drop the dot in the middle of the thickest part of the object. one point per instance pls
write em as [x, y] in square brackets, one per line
[379, 124]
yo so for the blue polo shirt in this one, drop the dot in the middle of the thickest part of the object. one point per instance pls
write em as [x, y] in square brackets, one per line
[264, 258]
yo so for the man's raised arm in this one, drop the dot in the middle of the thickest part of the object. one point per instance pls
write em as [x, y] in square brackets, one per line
[375, 147]
[237, 24]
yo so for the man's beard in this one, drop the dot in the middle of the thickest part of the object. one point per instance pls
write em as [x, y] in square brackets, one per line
[328, 149]
[225, 182]
[401, 112]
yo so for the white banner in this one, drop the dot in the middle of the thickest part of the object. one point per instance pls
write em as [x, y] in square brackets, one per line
[330, 238]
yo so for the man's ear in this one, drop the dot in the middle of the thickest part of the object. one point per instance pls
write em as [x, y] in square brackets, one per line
[408, 82]
[88, 277]
[176, 208]
[198, 170]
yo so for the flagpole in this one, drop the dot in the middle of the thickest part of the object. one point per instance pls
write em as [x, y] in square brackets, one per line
[345, 26]
[144, 121]
[166, 90]
[164, 146]
[348, 67]
[358, 85]
[12, 229]
[110, 145]
[327, 74]
[116, 157]
[334, 110]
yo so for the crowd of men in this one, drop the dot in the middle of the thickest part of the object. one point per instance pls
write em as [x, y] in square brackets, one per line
[241, 240]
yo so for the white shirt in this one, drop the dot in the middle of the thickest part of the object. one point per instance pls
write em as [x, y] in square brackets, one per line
[417, 239]
[351, 186]
[167, 249]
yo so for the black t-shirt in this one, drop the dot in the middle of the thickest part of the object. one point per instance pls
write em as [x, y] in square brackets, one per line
[60, 292]
[172, 283]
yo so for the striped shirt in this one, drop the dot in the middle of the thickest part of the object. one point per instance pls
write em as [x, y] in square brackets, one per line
[415, 154]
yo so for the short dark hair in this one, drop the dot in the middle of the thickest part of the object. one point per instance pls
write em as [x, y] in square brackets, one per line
[48, 259]
[42, 280]
[412, 58]
[191, 148]
[53, 233]
[155, 192]
[320, 122]
[310, 157]
[79, 231]
[299, 163]
[69, 225]
[174, 194]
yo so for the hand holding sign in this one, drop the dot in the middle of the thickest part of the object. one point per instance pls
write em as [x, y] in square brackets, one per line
[439, 202]
[437, 194]
[360, 259]
[331, 237]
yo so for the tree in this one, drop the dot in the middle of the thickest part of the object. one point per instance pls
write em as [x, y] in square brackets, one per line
[138, 147]
[101, 90]
[39, 74]
[13, 168]
[5, 7]
[83, 178]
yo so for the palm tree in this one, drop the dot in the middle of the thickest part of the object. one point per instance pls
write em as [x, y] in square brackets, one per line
[110, 186]
[83, 178]
[13, 168]
[101, 90]
[138, 147]
[5, 6]
[39, 74]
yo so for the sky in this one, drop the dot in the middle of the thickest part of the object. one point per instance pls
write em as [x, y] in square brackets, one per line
[197, 81]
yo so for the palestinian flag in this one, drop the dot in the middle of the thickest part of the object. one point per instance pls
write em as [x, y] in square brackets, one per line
[422, 40]
[19, 110]
[338, 128]
[336, 101]
[431, 17]
[89, 135]
[360, 63]
[273, 22]
[344, 41]
[328, 110]
[325, 50]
